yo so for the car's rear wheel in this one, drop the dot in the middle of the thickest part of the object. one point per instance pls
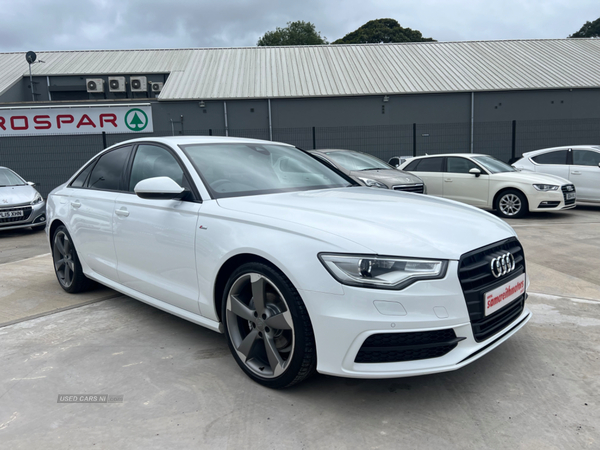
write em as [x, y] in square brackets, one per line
[267, 326]
[66, 263]
[512, 204]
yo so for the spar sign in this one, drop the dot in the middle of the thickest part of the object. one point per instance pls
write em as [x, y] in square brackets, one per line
[76, 120]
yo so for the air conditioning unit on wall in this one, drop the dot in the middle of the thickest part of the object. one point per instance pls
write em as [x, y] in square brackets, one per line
[157, 86]
[94, 85]
[138, 84]
[116, 84]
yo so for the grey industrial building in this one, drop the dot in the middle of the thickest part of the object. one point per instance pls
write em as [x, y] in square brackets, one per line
[497, 97]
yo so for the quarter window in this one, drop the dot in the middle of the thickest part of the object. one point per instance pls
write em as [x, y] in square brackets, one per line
[556, 157]
[107, 174]
[586, 158]
[151, 161]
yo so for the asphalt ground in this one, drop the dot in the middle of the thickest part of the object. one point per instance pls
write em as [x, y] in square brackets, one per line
[180, 387]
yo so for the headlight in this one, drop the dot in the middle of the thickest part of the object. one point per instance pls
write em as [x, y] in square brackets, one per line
[372, 183]
[545, 187]
[37, 199]
[381, 272]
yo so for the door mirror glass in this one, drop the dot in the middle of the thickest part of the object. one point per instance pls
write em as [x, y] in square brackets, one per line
[159, 188]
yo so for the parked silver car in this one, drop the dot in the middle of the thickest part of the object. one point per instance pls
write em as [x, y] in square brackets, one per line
[371, 171]
[580, 164]
[21, 205]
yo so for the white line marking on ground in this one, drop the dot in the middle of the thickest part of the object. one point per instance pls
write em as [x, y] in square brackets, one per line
[26, 259]
[573, 299]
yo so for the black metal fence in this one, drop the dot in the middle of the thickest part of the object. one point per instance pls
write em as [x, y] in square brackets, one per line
[51, 160]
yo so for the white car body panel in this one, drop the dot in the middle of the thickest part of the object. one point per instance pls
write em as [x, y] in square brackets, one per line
[585, 178]
[168, 253]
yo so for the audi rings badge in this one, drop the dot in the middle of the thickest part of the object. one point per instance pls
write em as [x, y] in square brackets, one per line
[502, 265]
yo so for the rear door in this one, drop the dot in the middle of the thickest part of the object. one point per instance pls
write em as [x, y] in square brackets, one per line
[430, 171]
[585, 174]
[462, 186]
[91, 204]
[155, 239]
[554, 162]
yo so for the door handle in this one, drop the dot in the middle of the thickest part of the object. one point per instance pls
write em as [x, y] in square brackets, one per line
[122, 212]
[76, 204]
[575, 172]
[448, 180]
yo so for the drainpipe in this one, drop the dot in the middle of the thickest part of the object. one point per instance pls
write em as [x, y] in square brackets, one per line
[472, 117]
[270, 124]
[225, 111]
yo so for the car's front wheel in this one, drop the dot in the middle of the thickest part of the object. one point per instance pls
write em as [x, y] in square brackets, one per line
[267, 326]
[512, 204]
[66, 263]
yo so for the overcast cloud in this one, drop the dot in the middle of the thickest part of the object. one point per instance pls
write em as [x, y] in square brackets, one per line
[135, 24]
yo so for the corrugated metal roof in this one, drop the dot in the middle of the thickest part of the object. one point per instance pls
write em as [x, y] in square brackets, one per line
[336, 70]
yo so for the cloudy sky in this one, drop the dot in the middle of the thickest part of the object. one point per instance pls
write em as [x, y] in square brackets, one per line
[137, 24]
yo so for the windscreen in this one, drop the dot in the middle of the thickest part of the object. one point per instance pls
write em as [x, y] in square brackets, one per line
[493, 165]
[238, 169]
[357, 161]
[9, 178]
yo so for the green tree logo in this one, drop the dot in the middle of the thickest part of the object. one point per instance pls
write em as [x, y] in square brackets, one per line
[136, 119]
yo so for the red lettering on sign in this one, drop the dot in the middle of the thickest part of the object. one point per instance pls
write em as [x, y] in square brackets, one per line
[108, 118]
[64, 118]
[2, 122]
[15, 126]
[43, 121]
[85, 120]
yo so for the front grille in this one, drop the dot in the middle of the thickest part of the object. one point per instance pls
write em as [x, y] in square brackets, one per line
[568, 188]
[411, 346]
[476, 279]
[417, 188]
[26, 213]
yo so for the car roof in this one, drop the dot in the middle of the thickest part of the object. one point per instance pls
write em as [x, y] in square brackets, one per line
[323, 150]
[467, 155]
[183, 140]
[562, 147]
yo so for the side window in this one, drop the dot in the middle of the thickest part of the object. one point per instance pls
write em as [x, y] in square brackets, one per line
[151, 161]
[460, 165]
[108, 171]
[412, 166]
[556, 157]
[586, 158]
[428, 165]
[82, 177]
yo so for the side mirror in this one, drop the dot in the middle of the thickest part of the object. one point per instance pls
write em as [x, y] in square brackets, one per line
[159, 188]
[475, 171]
[32, 184]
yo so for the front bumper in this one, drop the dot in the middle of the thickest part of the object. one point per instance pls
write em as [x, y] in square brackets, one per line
[551, 200]
[35, 217]
[342, 324]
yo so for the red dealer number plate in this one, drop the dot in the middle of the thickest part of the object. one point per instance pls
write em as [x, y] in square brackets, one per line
[503, 295]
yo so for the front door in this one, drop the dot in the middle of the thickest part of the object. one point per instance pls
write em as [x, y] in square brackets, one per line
[155, 239]
[462, 186]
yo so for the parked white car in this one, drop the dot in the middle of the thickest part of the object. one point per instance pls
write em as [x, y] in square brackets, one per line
[21, 205]
[580, 164]
[299, 266]
[485, 182]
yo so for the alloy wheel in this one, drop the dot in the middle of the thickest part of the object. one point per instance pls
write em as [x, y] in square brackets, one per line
[64, 264]
[510, 205]
[260, 325]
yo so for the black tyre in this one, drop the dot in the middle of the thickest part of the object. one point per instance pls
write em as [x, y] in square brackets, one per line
[512, 204]
[66, 263]
[267, 326]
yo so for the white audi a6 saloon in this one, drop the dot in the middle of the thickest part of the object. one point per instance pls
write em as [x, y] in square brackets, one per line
[301, 268]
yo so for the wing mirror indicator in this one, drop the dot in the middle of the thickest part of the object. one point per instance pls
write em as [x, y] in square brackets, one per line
[475, 171]
[159, 188]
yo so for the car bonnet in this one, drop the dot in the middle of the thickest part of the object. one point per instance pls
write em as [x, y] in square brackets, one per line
[384, 221]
